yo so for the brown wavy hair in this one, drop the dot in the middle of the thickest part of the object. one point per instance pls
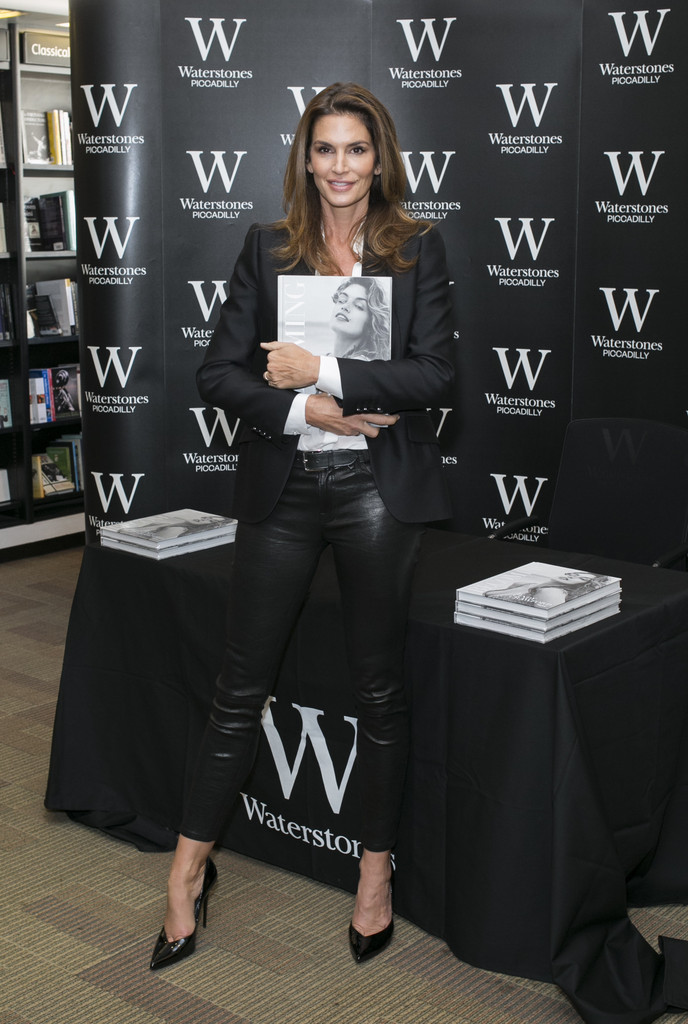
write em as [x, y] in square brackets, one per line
[387, 225]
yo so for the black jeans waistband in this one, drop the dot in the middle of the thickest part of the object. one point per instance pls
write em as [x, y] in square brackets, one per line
[315, 462]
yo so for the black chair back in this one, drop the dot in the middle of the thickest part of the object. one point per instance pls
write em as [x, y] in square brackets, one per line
[622, 489]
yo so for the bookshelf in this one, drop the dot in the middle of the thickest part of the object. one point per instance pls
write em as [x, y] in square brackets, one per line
[33, 87]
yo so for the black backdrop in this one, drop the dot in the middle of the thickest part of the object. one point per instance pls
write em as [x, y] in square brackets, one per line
[546, 140]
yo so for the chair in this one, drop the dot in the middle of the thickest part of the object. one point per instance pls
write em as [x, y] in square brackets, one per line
[621, 492]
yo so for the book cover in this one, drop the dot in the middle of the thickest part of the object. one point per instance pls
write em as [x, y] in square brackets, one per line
[60, 292]
[182, 526]
[67, 200]
[62, 457]
[51, 223]
[36, 477]
[65, 394]
[5, 405]
[347, 317]
[32, 224]
[541, 637]
[544, 590]
[54, 481]
[35, 137]
[44, 316]
[4, 486]
[37, 397]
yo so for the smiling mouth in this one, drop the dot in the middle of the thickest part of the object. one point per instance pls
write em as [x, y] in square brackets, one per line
[342, 316]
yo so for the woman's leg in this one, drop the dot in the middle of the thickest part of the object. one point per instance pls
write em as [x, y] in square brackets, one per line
[274, 564]
[375, 556]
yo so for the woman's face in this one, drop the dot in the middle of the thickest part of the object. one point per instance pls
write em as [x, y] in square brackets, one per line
[343, 162]
[351, 314]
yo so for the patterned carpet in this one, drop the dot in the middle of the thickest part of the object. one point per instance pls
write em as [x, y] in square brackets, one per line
[79, 911]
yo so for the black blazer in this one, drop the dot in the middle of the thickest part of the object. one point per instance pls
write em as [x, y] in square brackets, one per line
[405, 459]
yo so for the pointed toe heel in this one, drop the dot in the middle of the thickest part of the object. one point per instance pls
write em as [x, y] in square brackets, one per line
[364, 947]
[165, 952]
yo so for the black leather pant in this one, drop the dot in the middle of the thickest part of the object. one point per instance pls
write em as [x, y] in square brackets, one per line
[275, 560]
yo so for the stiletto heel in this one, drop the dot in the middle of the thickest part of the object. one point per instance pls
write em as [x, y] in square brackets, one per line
[363, 947]
[166, 952]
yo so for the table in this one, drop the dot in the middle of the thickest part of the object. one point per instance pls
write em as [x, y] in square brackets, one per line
[547, 787]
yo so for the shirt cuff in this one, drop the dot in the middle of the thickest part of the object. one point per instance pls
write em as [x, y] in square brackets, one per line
[330, 380]
[296, 418]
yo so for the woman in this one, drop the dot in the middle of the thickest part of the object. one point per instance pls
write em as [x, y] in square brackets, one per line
[360, 320]
[316, 470]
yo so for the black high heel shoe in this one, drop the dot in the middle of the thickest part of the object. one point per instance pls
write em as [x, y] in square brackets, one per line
[169, 952]
[363, 947]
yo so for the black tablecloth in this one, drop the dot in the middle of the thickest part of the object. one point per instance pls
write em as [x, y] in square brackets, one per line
[547, 788]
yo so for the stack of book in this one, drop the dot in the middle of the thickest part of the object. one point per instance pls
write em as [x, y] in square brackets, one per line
[47, 137]
[170, 533]
[538, 601]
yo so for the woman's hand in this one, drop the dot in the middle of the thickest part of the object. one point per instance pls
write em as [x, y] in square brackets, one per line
[289, 365]
[323, 411]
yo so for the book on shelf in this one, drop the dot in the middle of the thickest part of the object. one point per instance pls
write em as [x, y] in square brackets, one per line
[74, 440]
[538, 601]
[4, 485]
[60, 136]
[7, 332]
[32, 224]
[3, 231]
[169, 533]
[54, 393]
[3, 153]
[5, 404]
[346, 317]
[36, 144]
[63, 453]
[62, 297]
[41, 309]
[47, 477]
[50, 221]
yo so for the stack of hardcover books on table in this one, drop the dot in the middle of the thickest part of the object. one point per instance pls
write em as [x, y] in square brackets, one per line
[170, 533]
[538, 601]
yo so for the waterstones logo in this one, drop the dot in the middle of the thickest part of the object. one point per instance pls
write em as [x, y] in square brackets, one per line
[637, 31]
[527, 107]
[112, 370]
[631, 311]
[109, 105]
[212, 170]
[110, 237]
[638, 170]
[429, 169]
[200, 336]
[519, 495]
[117, 488]
[429, 39]
[521, 370]
[301, 101]
[206, 462]
[530, 277]
[215, 40]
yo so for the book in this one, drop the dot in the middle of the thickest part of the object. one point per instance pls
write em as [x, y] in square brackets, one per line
[35, 140]
[38, 399]
[168, 552]
[584, 618]
[5, 405]
[3, 231]
[32, 224]
[52, 478]
[183, 528]
[37, 477]
[4, 486]
[539, 590]
[347, 317]
[62, 457]
[51, 223]
[76, 441]
[66, 400]
[44, 316]
[60, 292]
[68, 207]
